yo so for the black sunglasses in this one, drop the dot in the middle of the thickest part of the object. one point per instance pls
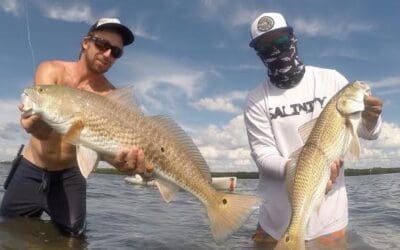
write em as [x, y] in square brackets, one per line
[104, 45]
[282, 43]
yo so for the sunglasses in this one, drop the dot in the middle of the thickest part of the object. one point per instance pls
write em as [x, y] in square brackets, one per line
[282, 43]
[104, 45]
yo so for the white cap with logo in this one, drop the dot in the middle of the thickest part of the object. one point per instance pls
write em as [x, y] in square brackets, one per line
[266, 23]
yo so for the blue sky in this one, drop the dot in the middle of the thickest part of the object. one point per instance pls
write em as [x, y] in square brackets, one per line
[191, 61]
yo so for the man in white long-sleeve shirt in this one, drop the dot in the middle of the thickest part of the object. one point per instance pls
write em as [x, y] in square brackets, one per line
[292, 95]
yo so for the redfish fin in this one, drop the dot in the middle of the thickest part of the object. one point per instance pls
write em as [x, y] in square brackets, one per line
[355, 147]
[74, 131]
[306, 128]
[87, 158]
[126, 98]
[167, 189]
[189, 148]
[291, 242]
[229, 213]
[291, 170]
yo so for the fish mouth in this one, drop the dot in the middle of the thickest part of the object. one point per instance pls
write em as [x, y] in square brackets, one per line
[27, 108]
[368, 92]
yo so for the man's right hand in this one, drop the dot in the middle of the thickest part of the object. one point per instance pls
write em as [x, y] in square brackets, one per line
[34, 125]
[131, 161]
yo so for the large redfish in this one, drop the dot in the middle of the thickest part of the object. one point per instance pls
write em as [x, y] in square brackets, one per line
[327, 138]
[100, 125]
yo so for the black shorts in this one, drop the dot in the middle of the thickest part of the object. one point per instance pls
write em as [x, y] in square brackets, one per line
[61, 194]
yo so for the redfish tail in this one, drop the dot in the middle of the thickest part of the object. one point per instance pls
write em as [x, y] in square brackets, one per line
[229, 213]
[291, 242]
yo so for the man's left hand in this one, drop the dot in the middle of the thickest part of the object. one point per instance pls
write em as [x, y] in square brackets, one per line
[335, 169]
[373, 108]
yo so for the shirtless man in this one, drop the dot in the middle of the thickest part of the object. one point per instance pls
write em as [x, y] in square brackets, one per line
[47, 177]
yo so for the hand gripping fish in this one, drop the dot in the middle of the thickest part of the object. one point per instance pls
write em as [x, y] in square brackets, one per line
[100, 125]
[330, 136]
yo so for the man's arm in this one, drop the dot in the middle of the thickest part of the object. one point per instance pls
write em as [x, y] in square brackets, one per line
[262, 140]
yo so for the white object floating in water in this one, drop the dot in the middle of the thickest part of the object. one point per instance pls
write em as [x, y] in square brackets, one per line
[224, 183]
[220, 183]
[137, 179]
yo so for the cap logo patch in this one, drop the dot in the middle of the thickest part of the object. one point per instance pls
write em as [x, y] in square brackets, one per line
[265, 23]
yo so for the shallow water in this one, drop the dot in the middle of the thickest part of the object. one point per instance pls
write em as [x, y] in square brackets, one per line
[124, 216]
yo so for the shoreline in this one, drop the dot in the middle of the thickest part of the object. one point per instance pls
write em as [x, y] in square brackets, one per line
[254, 175]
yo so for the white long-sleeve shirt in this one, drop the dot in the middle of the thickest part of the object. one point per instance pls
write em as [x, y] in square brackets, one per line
[272, 117]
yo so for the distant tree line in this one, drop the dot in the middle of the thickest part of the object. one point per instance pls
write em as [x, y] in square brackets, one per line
[254, 175]
[347, 172]
[368, 171]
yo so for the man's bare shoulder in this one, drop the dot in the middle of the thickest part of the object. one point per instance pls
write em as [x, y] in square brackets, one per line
[50, 72]
[56, 65]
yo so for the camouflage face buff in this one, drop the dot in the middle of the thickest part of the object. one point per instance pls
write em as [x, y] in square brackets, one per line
[285, 69]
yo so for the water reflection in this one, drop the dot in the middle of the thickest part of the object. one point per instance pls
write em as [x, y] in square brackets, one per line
[122, 216]
[33, 233]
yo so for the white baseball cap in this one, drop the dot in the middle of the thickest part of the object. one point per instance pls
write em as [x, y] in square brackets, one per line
[266, 23]
[115, 25]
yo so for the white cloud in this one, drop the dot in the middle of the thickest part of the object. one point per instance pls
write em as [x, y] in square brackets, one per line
[389, 139]
[223, 103]
[11, 6]
[216, 104]
[392, 81]
[9, 110]
[336, 30]
[243, 16]
[349, 53]
[11, 133]
[141, 31]
[386, 86]
[241, 67]
[73, 12]
[154, 70]
[231, 14]
[11, 137]
[162, 91]
[388, 92]
[383, 152]
[163, 81]
[225, 147]
[213, 5]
